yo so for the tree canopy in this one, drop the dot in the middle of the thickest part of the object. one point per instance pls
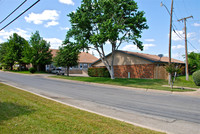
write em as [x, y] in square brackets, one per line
[12, 50]
[38, 52]
[193, 62]
[67, 56]
[96, 22]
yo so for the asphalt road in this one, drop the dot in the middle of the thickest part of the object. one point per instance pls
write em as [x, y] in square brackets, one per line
[170, 106]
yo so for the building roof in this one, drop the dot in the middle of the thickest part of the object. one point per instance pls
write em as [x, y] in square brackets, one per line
[149, 57]
[54, 51]
[86, 58]
[83, 56]
[153, 58]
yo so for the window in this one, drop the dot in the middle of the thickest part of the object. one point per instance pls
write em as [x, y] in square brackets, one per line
[85, 65]
[81, 66]
[75, 66]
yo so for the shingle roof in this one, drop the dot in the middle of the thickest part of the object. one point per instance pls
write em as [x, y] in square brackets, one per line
[54, 51]
[86, 58]
[153, 58]
[83, 56]
[149, 57]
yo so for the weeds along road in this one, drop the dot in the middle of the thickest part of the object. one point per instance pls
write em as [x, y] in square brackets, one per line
[154, 108]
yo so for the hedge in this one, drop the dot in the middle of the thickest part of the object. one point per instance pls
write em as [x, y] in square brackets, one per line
[196, 77]
[98, 72]
[32, 70]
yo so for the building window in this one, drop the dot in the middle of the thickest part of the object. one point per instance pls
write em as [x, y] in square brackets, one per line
[85, 65]
[81, 66]
[75, 66]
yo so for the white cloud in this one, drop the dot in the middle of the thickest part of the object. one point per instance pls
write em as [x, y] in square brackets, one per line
[4, 35]
[47, 15]
[196, 24]
[146, 46]
[68, 2]
[178, 56]
[177, 47]
[199, 41]
[94, 52]
[1, 41]
[194, 50]
[64, 28]
[150, 40]
[54, 42]
[181, 36]
[108, 42]
[51, 23]
[132, 47]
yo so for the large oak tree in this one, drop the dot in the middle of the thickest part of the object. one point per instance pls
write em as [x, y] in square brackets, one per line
[97, 21]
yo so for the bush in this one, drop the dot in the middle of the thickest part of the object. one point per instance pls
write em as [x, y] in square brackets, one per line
[32, 70]
[98, 72]
[196, 77]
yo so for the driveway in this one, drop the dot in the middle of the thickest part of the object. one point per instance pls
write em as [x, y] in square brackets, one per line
[159, 111]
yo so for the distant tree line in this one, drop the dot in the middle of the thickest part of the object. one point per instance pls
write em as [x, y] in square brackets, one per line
[19, 51]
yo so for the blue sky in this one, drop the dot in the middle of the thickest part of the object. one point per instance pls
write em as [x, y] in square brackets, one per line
[49, 17]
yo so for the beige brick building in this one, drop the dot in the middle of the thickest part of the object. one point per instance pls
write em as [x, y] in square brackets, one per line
[138, 65]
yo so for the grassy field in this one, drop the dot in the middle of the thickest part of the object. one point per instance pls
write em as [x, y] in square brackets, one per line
[23, 112]
[26, 72]
[180, 81]
[138, 83]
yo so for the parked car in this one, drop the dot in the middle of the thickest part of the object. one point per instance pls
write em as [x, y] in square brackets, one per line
[58, 71]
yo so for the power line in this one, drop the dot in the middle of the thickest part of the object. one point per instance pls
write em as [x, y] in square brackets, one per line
[20, 15]
[181, 37]
[193, 46]
[13, 11]
[186, 9]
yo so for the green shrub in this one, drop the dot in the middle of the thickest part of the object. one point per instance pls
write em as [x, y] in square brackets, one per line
[196, 77]
[32, 70]
[98, 72]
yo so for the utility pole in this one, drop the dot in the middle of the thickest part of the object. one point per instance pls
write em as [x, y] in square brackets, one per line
[170, 33]
[170, 36]
[170, 41]
[186, 53]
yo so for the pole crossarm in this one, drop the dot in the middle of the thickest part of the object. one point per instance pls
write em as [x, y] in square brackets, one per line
[185, 18]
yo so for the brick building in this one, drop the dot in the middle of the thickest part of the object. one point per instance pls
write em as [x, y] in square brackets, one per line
[138, 65]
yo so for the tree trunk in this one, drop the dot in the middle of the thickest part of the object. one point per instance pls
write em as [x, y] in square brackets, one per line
[38, 67]
[171, 83]
[20, 67]
[67, 71]
[112, 75]
[11, 67]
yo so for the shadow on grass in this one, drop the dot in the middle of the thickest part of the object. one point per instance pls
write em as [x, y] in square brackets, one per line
[11, 110]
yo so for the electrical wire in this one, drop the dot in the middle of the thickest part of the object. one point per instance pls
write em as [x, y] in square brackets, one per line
[13, 11]
[181, 37]
[19, 15]
[186, 9]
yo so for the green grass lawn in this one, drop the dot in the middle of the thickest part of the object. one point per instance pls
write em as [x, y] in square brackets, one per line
[180, 81]
[26, 72]
[138, 83]
[23, 112]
